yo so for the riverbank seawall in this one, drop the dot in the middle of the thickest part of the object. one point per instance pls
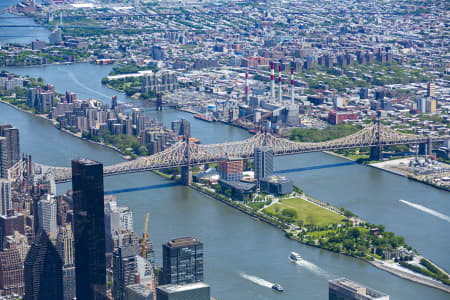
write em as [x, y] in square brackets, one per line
[62, 129]
[397, 272]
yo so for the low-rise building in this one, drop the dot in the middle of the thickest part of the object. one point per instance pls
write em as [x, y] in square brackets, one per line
[346, 289]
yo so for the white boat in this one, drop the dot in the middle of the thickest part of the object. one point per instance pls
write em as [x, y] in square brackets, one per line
[277, 287]
[295, 256]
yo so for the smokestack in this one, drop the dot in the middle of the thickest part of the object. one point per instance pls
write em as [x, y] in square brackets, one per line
[272, 81]
[292, 85]
[279, 82]
[247, 96]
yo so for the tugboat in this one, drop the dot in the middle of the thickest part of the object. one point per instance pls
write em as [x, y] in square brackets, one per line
[277, 287]
[295, 256]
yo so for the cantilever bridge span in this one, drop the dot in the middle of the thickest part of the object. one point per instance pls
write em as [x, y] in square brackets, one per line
[184, 154]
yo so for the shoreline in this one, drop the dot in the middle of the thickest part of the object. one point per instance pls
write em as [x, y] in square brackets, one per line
[397, 272]
[62, 129]
[398, 173]
[51, 64]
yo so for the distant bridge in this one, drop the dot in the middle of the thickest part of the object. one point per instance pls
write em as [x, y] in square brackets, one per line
[183, 154]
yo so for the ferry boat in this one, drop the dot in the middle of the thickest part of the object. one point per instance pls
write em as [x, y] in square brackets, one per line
[295, 256]
[277, 287]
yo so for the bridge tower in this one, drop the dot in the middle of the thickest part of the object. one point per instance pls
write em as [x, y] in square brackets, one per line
[376, 152]
[426, 148]
[159, 104]
[186, 171]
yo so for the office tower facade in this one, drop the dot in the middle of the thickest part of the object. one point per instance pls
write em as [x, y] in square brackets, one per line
[263, 162]
[197, 291]
[13, 145]
[182, 261]
[65, 245]
[11, 272]
[345, 289]
[43, 270]
[125, 265]
[4, 162]
[89, 229]
[5, 196]
[47, 215]
[65, 248]
[69, 279]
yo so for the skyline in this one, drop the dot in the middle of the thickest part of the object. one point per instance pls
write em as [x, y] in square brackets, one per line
[177, 101]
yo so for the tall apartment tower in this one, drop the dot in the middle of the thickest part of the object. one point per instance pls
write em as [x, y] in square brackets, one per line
[43, 270]
[125, 270]
[4, 162]
[47, 215]
[182, 261]
[13, 149]
[89, 229]
[65, 248]
[263, 162]
[5, 196]
[65, 245]
[430, 89]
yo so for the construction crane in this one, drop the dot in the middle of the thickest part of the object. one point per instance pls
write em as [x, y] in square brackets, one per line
[144, 238]
[144, 253]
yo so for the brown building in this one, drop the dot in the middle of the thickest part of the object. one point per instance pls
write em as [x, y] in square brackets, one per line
[231, 170]
[11, 273]
[10, 223]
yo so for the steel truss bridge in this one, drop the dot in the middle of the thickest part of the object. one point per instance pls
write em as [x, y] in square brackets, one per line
[185, 154]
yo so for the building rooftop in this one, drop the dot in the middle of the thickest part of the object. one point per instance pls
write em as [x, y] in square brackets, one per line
[276, 179]
[239, 185]
[87, 161]
[173, 288]
[357, 288]
[185, 241]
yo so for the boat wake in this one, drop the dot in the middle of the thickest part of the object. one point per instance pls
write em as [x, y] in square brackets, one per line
[427, 210]
[312, 268]
[75, 79]
[257, 280]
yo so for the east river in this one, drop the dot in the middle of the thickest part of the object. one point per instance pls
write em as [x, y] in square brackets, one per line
[244, 256]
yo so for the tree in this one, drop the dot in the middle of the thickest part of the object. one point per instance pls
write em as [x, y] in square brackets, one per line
[355, 233]
[348, 244]
[289, 212]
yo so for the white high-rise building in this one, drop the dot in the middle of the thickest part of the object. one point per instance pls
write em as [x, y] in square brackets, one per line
[117, 218]
[47, 215]
[126, 218]
[5, 196]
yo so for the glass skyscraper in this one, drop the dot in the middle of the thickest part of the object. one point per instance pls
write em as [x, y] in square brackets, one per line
[263, 162]
[182, 261]
[43, 270]
[89, 229]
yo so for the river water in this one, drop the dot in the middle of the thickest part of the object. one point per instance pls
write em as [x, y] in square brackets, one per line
[19, 34]
[242, 255]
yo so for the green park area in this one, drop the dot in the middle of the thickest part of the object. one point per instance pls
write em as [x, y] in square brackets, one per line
[299, 211]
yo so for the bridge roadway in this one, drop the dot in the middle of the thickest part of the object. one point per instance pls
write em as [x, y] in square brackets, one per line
[184, 154]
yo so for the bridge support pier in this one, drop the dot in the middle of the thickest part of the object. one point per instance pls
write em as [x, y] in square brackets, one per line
[159, 104]
[186, 175]
[422, 149]
[376, 153]
[426, 148]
